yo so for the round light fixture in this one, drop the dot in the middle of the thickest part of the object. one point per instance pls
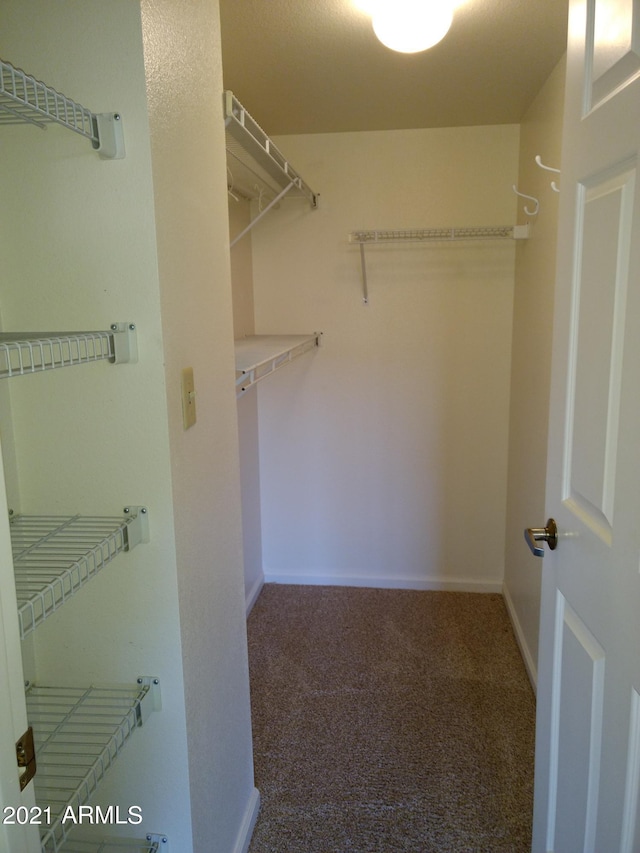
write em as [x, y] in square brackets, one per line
[410, 26]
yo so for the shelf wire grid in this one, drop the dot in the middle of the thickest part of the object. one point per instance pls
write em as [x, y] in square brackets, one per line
[257, 155]
[415, 235]
[78, 733]
[33, 353]
[25, 100]
[258, 356]
[54, 556]
[112, 845]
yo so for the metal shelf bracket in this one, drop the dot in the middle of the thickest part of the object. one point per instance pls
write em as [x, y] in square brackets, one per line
[137, 526]
[125, 343]
[110, 132]
[152, 700]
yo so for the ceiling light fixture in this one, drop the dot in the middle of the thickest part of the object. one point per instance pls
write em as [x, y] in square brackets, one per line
[411, 26]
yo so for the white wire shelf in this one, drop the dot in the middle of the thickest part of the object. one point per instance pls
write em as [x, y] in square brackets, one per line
[25, 100]
[432, 235]
[256, 168]
[251, 148]
[78, 734]
[439, 235]
[153, 843]
[33, 352]
[54, 556]
[258, 356]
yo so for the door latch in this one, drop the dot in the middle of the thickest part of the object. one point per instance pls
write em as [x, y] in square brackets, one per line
[548, 534]
[26, 755]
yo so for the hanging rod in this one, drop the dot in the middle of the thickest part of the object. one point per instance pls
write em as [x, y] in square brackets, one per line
[432, 235]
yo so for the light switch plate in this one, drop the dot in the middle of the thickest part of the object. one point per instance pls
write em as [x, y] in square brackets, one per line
[188, 398]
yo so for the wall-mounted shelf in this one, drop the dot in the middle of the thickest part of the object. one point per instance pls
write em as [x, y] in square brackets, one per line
[25, 100]
[432, 235]
[258, 356]
[54, 556]
[33, 352]
[153, 843]
[255, 165]
[440, 235]
[78, 734]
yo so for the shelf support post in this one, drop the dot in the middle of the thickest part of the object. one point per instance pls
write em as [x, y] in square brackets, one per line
[365, 288]
[261, 214]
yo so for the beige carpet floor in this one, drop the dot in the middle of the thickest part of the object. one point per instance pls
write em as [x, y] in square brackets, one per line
[389, 720]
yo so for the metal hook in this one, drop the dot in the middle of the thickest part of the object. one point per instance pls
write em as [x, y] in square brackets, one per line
[554, 186]
[531, 198]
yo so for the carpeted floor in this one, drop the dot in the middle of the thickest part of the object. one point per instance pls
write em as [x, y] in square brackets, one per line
[389, 720]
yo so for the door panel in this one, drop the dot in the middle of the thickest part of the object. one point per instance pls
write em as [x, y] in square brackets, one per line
[605, 209]
[581, 661]
[612, 49]
[588, 733]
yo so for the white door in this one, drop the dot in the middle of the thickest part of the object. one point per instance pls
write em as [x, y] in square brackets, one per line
[588, 741]
[18, 827]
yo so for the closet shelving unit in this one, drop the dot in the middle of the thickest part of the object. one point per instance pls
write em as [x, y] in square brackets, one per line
[78, 732]
[431, 236]
[258, 356]
[54, 556]
[255, 166]
[153, 843]
[25, 100]
[33, 352]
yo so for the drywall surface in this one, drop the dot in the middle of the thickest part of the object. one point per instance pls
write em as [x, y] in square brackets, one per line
[184, 87]
[541, 133]
[383, 454]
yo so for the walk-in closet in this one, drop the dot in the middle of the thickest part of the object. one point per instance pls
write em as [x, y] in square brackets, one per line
[382, 457]
[233, 354]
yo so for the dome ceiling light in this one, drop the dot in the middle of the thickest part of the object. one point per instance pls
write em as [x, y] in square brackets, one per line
[409, 26]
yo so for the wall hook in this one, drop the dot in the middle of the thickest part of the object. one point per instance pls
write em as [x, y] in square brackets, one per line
[530, 198]
[554, 186]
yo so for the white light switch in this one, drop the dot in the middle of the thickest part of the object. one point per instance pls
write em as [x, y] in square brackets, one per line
[188, 398]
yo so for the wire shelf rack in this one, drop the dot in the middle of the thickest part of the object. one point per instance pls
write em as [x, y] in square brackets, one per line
[258, 356]
[431, 235]
[151, 844]
[436, 235]
[54, 556]
[79, 733]
[33, 352]
[25, 100]
[252, 149]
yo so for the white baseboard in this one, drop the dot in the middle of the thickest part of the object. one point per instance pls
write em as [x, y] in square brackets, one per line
[527, 657]
[248, 823]
[250, 595]
[449, 585]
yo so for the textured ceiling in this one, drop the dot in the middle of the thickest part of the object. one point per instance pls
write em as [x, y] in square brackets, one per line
[315, 66]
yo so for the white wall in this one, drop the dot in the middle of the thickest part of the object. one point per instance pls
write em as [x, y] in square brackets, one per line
[541, 133]
[383, 455]
[184, 87]
[83, 245]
